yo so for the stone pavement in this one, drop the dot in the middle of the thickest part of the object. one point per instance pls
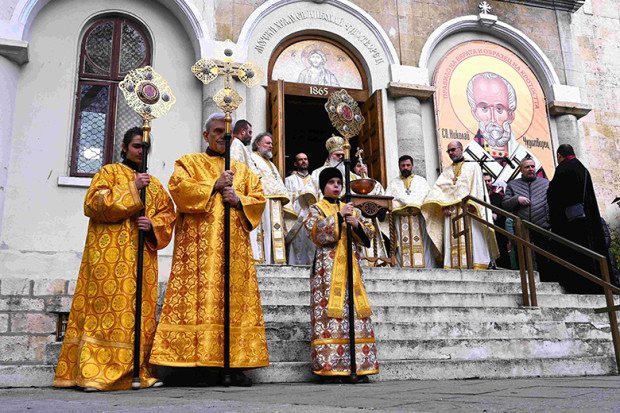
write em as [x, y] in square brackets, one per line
[566, 394]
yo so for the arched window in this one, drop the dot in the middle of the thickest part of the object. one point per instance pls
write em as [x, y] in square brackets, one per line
[110, 48]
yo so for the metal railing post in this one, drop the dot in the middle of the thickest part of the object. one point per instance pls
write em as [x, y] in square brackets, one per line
[613, 320]
[529, 261]
[521, 252]
[467, 236]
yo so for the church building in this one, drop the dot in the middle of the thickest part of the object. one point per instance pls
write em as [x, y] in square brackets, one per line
[408, 63]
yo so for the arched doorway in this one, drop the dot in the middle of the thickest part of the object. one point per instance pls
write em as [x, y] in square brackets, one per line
[303, 72]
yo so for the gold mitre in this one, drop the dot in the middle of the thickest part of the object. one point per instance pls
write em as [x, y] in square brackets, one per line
[335, 143]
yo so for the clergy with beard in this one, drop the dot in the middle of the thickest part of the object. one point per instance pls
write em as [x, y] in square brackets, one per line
[414, 247]
[312, 191]
[300, 248]
[269, 239]
[457, 181]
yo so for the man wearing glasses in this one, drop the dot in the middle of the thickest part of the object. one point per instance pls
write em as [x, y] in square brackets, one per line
[440, 206]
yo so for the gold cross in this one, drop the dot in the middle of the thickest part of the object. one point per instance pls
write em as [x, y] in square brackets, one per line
[207, 70]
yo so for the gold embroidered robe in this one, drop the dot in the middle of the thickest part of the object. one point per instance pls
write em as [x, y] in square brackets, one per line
[455, 183]
[191, 327]
[414, 245]
[97, 350]
[330, 336]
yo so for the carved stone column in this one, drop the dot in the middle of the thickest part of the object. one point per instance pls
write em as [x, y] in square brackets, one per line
[566, 115]
[410, 137]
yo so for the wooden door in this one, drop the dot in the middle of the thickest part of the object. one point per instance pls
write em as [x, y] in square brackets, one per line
[276, 124]
[371, 138]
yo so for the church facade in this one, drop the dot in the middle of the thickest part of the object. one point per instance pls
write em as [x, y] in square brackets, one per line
[411, 64]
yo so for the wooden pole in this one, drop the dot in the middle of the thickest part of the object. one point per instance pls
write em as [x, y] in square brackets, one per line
[227, 380]
[347, 199]
[135, 383]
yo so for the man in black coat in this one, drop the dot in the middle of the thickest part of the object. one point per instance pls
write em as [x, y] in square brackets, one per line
[572, 185]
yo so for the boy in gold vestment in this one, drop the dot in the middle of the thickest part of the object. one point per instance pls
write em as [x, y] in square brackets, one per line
[97, 352]
[329, 303]
[191, 328]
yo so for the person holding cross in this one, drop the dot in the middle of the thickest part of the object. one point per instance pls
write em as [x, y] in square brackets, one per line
[97, 352]
[191, 328]
[440, 206]
[325, 224]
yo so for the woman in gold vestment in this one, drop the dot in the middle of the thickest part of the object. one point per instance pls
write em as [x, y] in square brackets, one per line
[325, 225]
[97, 352]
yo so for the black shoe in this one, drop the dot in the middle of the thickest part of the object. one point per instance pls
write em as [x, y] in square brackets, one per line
[363, 379]
[330, 379]
[239, 379]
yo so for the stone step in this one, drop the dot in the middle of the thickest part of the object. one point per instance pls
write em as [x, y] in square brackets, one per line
[459, 349]
[435, 274]
[414, 299]
[289, 372]
[412, 315]
[547, 330]
[293, 338]
[413, 286]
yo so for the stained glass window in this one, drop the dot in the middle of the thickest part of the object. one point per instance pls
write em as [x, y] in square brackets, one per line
[110, 48]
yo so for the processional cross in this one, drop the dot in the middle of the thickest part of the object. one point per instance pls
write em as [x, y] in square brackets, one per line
[149, 95]
[228, 100]
[207, 70]
[346, 117]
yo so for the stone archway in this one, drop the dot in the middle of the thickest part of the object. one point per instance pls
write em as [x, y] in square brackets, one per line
[564, 101]
[26, 12]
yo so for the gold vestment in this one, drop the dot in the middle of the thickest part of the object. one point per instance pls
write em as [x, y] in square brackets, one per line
[98, 346]
[191, 327]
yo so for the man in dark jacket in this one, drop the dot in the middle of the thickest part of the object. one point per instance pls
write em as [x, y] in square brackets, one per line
[572, 185]
[526, 197]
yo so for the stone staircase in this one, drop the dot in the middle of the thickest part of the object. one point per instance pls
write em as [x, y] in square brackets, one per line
[429, 324]
[440, 324]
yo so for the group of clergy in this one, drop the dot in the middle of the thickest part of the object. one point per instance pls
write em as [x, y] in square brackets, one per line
[268, 214]
[422, 215]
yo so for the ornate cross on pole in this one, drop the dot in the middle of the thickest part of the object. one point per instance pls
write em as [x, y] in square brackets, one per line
[207, 70]
[346, 117]
[228, 100]
[149, 95]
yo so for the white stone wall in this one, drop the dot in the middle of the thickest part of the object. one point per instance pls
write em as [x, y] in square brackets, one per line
[43, 224]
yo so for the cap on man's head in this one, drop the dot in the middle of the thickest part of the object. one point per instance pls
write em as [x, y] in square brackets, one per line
[335, 143]
[327, 174]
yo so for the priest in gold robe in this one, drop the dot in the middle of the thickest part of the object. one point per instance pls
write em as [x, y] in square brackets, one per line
[97, 351]
[191, 328]
[441, 204]
[269, 239]
[329, 303]
[409, 190]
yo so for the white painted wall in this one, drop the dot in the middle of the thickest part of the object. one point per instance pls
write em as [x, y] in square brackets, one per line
[43, 224]
[9, 72]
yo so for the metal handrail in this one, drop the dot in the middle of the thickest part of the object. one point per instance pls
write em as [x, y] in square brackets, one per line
[524, 254]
